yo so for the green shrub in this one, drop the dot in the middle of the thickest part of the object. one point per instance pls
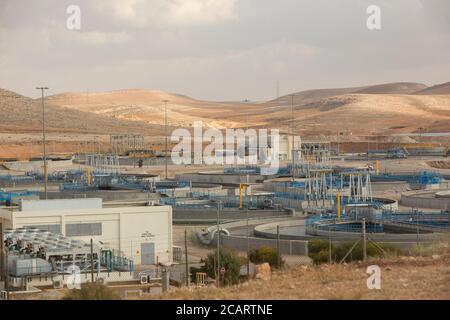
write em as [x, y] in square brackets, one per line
[357, 253]
[91, 291]
[265, 254]
[229, 260]
[318, 251]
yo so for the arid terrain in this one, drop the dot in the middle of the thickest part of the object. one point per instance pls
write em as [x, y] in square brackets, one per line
[75, 120]
[401, 278]
[378, 109]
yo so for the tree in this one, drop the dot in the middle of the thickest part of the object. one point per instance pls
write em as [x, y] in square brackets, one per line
[228, 260]
[92, 291]
[265, 254]
[319, 251]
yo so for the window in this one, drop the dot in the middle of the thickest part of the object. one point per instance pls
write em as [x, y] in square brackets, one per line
[83, 229]
[53, 228]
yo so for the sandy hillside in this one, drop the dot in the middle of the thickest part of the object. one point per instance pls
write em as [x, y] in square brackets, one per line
[378, 109]
[21, 115]
[367, 114]
[437, 89]
[304, 97]
[148, 106]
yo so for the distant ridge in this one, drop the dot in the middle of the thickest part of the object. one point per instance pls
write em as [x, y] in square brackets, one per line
[438, 89]
[308, 96]
[23, 114]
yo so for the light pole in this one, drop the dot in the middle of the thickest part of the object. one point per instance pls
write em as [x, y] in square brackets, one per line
[219, 204]
[165, 134]
[43, 140]
[248, 237]
[292, 136]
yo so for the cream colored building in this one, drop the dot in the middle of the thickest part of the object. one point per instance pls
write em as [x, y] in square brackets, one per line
[286, 150]
[142, 233]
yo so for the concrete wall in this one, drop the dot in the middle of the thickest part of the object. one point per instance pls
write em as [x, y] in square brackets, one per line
[410, 238]
[107, 196]
[107, 277]
[210, 215]
[36, 165]
[424, 200]
[287, 247]
[390, 185]
[219, 178]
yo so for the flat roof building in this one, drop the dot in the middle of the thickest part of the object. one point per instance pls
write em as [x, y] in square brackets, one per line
[141, 233]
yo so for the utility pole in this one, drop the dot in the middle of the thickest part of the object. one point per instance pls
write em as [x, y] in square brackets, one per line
[278, 248]
[248, 238]
[92, 261]
[165, 134]
[43, 140]
[186, 257]
[218, 243]
[364, 240]
[417, 225]
[292, 136]
[2, 271]
[4, 262]
[6, 275]
[329, 246]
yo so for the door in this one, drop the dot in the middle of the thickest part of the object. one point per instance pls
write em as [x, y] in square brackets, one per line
[147, 253]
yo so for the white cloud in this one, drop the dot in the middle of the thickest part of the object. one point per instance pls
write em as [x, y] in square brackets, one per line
[160, 13]
[200, 12]
[101, 38]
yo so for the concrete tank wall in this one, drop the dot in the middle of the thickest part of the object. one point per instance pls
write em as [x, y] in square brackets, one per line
[219, 178]
[287, 247]
[424, 200]
[26, 166]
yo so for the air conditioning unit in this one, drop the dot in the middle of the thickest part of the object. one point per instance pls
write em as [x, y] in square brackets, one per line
[144, 279]
[100, 281]
[58, 284]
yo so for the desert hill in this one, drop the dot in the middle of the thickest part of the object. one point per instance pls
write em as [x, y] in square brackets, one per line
[21, 114]
[366, 114]
[379, 109]
[308, 96]
[437, 89]
[147, 106]
[393, 88]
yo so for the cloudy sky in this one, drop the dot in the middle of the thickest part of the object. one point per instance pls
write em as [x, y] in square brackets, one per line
[221, 49]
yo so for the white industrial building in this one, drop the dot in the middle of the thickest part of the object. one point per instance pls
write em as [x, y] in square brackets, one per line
[142, 233]
[289, 147]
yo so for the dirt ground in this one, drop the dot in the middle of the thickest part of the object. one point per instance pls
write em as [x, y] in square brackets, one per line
[401, 278]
